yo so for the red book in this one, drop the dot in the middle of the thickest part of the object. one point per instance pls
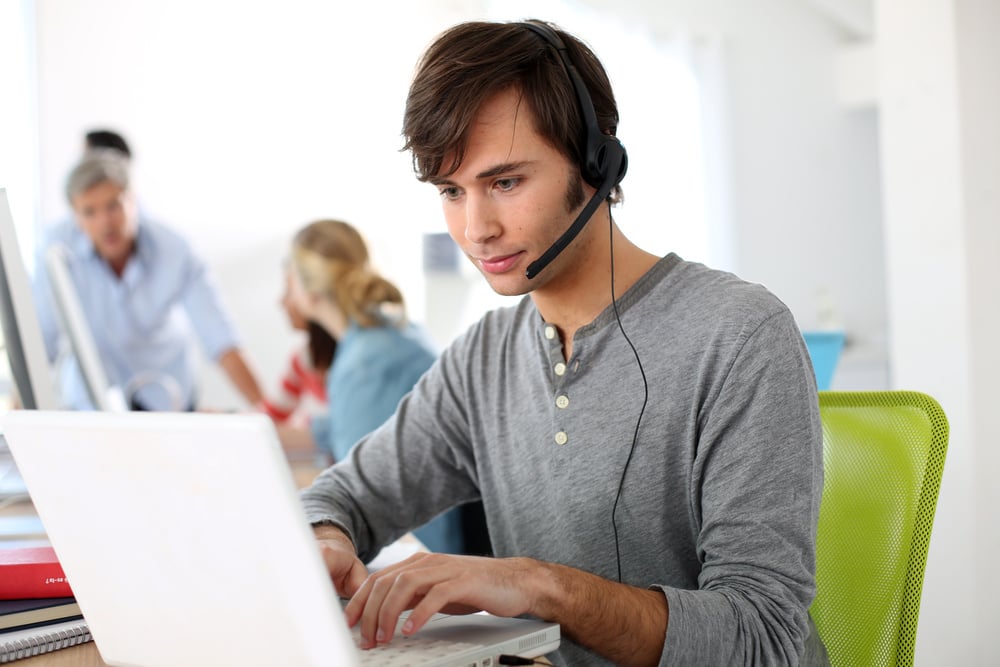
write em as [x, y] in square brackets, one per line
[31, 572]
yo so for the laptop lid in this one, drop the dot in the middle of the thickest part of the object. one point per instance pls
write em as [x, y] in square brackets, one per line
[184, 541]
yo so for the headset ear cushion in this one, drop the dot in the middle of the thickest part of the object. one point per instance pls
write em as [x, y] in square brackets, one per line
[603, 154]
[616, 147]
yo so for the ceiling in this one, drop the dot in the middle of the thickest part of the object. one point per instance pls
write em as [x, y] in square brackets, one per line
[855, 17]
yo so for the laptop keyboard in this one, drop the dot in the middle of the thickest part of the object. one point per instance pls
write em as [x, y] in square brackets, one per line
[406, 651]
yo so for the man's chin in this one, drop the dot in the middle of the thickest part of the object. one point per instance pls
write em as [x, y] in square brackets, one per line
[113, 254]
[508, 285]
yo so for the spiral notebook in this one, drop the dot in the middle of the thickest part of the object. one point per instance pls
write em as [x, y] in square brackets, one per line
[24, 643]
[186, 544]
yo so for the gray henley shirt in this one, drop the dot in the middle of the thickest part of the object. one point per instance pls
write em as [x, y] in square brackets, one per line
[719, 503]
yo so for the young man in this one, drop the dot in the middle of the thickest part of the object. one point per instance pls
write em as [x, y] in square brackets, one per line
[147, 298]
[650, 462]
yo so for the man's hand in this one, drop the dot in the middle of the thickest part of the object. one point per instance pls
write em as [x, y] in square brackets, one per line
[429, 583]
[592, 611]
[346, 570]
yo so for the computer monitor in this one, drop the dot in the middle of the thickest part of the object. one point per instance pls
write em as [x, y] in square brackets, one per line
[22, 334]
[103, 395]
[22, 343]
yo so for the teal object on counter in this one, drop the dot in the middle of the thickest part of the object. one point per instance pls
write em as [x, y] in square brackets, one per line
[824, 349]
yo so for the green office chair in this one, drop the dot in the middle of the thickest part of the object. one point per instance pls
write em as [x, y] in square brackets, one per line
[883, 454]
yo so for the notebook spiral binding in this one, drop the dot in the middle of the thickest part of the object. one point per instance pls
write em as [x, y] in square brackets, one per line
[17, 645]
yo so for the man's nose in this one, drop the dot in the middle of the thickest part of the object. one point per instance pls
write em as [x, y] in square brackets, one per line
[112, 217]
[101, 219]
[481, 222]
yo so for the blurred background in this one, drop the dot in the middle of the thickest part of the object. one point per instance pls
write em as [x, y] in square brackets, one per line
[844, 153]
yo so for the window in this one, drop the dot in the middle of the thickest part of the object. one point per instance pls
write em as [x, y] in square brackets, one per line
[18, 146]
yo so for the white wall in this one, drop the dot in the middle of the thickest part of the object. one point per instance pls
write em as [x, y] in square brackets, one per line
[18, 129]
[805, 183]
[977, 25]
[939, 65]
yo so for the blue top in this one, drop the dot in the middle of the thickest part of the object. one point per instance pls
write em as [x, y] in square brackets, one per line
[373, 369]
[145, 322]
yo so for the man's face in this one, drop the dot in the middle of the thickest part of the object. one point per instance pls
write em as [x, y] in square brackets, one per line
[512, 197]
[106, 214]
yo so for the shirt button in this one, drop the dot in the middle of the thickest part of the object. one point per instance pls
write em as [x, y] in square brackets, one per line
[560, 368]
[550, 332]
[561, 438]
[562, 401]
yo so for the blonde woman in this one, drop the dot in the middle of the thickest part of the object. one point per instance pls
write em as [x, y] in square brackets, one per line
[305, 376]
[380, 355]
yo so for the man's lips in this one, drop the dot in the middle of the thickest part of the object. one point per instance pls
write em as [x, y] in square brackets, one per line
[499, 263]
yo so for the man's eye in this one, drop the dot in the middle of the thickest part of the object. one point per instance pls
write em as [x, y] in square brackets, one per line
[449, 192]
[506, 184]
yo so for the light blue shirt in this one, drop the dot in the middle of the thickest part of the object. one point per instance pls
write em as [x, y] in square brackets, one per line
[145, 323]
[373, 369]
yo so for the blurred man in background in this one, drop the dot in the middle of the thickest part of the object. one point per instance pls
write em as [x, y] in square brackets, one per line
[146, 296]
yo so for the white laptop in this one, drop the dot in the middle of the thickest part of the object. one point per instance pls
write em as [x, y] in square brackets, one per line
[185, 543]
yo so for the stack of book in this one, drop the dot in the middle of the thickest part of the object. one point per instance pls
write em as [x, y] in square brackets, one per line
[38, 612]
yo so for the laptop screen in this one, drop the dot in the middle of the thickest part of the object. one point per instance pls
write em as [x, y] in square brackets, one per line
[185, 543]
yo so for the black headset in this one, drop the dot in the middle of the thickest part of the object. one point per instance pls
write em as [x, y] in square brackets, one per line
[604, 158]
[604, 165]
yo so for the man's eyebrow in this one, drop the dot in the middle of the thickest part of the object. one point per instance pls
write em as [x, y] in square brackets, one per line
[504, 168]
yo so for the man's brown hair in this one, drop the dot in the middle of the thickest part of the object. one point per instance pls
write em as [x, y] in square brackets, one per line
[470, 63]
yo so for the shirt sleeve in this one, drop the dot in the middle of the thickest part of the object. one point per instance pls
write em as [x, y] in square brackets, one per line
[280, 405]
[208, 315]
[758, 481]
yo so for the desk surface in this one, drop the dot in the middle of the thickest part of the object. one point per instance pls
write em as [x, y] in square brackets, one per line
[87, 655]
[82, 655]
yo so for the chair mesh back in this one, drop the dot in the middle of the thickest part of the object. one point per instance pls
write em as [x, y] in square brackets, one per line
[883, 455]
